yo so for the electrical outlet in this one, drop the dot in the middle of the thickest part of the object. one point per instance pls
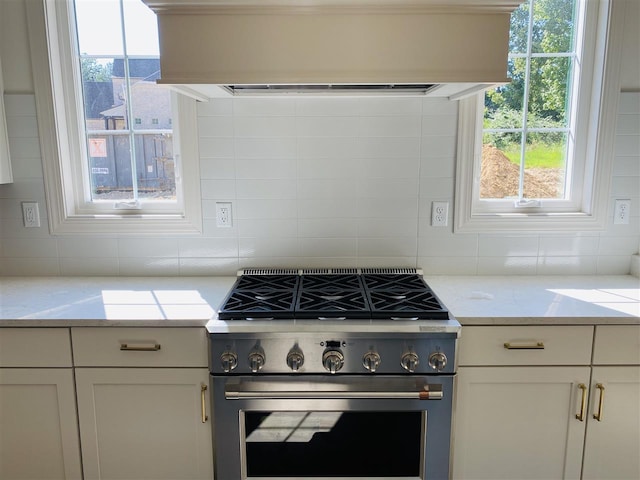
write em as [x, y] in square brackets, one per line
[30, 214]
[223, 214]
[439, 214]
[621, 212]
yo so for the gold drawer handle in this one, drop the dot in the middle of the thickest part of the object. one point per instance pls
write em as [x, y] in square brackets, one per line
[203, 403]
[139, 347]
[583, 405]
[598, 415]
[524, 346]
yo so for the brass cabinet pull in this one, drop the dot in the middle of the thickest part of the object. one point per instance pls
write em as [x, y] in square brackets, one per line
[203, 403]
[598, 414]
[583, 404]
[139, 347]
[524, 346]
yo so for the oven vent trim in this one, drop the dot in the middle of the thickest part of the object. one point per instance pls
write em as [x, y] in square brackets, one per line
[268, 271]
[329, 271]
[391, 271]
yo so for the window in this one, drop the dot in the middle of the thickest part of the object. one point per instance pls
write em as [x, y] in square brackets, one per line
[110, 164]
[531, 154]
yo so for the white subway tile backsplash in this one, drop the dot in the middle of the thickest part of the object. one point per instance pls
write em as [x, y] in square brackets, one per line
[147, 247]
[216, 188]
[389, 168]
[89, 266]
[507, 265]
[387, 247]
[265, 147]
[266, 168]
[507, 246]
[216, 106]
[328, 247]
[264, 127]
[268, 247]
[566, 265]
[149, 267]
[570, 246]
[390, 148]
[266, 188]
[327, 227]
[267, 227]
[387, 227]
[328, 126]
[318, 182]
[221, 168]
[391, 106]
[276, 106]
[265, 208]
[207, 247]
[208, 266]
[328, 107]
[29, 247]
[391, 126]
[87, 247]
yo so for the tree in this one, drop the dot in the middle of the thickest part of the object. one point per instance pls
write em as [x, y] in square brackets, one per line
[92, 71]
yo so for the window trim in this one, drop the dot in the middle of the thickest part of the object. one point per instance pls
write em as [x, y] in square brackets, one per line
[598, 149]
[60, 143]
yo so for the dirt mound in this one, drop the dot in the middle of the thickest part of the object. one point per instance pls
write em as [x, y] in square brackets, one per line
[499, 178]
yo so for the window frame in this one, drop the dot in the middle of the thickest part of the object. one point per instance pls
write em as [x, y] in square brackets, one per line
[593, 155]
[59, 107]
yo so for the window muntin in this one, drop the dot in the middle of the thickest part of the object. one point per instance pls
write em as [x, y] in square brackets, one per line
[129, 154]
[529, 126]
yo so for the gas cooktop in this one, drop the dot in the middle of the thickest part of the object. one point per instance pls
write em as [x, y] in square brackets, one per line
[332, 294]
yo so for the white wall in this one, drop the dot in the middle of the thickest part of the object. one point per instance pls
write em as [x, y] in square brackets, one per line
[313, 182]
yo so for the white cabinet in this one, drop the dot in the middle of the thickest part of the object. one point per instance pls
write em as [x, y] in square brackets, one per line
[38, 422]
[517, 421]
[612, 445]
[151, 421]
[528, 411]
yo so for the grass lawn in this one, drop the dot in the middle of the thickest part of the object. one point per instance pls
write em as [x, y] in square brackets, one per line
[539, 155]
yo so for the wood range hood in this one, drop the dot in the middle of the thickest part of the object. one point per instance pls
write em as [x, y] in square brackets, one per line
[446, 48]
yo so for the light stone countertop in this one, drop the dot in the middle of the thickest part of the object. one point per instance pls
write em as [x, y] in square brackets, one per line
[193, 301]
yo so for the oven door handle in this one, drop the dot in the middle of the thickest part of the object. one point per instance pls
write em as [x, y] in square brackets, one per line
[428, 392]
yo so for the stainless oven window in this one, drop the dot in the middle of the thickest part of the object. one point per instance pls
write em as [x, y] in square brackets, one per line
[305, 444]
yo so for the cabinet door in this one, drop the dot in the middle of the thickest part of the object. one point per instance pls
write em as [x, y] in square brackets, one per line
[38, 425]
[612, 445]
[518, 422]
[144, 423]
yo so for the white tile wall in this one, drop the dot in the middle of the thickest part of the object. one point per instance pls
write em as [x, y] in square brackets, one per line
[318, 182]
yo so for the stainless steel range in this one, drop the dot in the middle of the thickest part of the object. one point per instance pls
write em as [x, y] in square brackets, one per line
[336, 373]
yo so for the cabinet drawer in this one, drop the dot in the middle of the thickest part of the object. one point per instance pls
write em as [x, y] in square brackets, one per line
[35, 347]
[554, 345]
[617, 345]
[139, 347]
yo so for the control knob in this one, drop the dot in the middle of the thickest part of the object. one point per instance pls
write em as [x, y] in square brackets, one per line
[256, 360]
[409, 361]
[437, 360]
[295, 359]
[333, 360]
[371, 361]
[229, 361]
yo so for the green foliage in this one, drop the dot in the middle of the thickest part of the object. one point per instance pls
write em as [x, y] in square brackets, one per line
[539, 155]
[92, 71]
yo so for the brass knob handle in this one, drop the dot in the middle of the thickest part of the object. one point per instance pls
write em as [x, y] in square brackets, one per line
[598, 415]
[583, 404]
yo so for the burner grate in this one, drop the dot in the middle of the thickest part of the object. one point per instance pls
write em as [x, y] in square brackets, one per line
[410, 305]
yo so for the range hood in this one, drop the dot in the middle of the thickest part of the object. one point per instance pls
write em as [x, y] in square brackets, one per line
[451, 48]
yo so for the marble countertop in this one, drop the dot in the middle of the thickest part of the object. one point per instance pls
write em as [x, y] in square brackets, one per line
[193, 301]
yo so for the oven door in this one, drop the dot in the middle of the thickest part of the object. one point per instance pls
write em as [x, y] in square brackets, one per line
[355, 427]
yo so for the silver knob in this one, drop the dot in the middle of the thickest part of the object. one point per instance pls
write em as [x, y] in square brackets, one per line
[333, 360]
[371, 361]
[295, 359]
[229, 361]
[256, 360]
[409, 361]
[437, 360]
